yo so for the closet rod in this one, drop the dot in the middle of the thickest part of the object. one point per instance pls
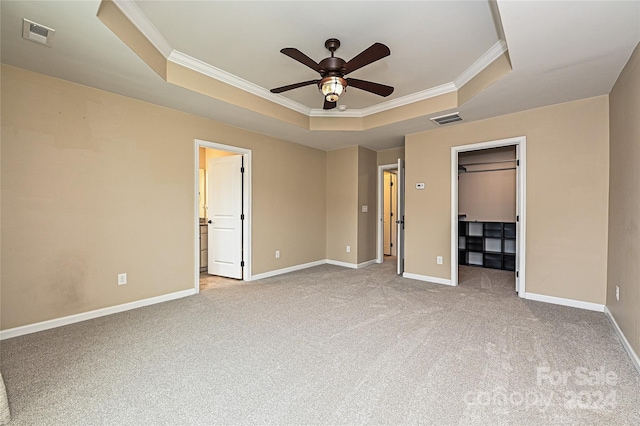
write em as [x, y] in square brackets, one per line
[488, 162]
[487, 170]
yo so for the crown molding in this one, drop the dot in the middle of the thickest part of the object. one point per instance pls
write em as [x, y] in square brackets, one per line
[391, 104]
[476, 68]
[144, 25]
[139, 19]
[409, 99]
[483, 62]
[199, 66]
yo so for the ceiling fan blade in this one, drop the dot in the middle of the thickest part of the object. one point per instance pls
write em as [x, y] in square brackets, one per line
[329, 105]
[377, 88]
[294, 86]
[375, 52]
[294, 53]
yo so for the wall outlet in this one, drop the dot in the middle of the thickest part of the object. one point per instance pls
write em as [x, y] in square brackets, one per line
[122, 279]
[277, 254]
[348, 249]
[439, 260]
[617, 293]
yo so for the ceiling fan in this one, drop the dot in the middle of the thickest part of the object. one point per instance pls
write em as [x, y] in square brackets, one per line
[333, 69]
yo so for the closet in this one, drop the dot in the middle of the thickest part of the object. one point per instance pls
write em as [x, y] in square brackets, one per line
[487, 208]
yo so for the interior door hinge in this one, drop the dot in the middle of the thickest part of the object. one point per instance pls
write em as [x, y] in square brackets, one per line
[517, 162]
[518, 218]
[241, 169]
[390, 183]
[242, 216]
[517, 274]
[242, 264]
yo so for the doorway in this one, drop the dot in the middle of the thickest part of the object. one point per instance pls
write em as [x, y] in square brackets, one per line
[502, 248]
[390, 211]
[390, 229]
[228, 230]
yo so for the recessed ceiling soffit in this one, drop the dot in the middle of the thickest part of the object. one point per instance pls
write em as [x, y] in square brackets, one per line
[125, 19]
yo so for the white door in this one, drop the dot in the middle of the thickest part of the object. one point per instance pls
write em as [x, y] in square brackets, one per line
[400, 217]
[224, 210]
[387, 215]
[393, 229]
[518, 211]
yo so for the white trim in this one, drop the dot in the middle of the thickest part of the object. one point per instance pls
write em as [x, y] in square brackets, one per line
[521, 210]
[137, 17]
[589, 306]
[434, 280]
[367, 263]
[483, 62]
[246, 230]
[72, 319]
[343, 264]
[349, 113]
[140, 20]
[623, 339]
[351, 265]
[380, 227]
[228, 78]
[287, 270]
[390, 104]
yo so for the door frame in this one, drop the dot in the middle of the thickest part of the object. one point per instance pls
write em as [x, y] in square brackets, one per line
[521, 191]
[392, 200]
[380, 227]
[246, 224]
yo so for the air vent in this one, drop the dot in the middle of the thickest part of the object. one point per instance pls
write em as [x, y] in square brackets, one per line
[446, 119]
[38, 33]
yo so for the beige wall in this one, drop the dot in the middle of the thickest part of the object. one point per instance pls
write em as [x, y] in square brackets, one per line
[367, 196]
[488, 196]
[566, 201]
[351, 184]
[342, 204]
[390, 156]
[624, 201]
[95, 184]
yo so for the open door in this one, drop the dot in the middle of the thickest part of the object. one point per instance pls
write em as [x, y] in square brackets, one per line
[390, 212]
[519, 186]
[400, 217]
[224, 193]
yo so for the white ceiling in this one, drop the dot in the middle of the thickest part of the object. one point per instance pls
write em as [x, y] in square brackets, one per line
[560, 51]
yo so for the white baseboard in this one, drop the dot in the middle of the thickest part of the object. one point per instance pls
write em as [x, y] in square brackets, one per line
[435, 280]
[343, 264]
[367, 263]
[352, 265]
[623, 339]
[287, 270]
[565, 302]
[71, 319]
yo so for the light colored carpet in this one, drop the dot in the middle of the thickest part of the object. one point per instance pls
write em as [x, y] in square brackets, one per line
[328, 345]
[5, 414]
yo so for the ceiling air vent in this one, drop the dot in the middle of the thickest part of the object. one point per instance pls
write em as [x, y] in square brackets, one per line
[446, 119]
[38, 33]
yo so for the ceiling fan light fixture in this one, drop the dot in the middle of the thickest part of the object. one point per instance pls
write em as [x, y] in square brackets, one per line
[332, 88]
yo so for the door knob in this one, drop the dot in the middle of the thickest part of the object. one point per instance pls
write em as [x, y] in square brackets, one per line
[209, 221]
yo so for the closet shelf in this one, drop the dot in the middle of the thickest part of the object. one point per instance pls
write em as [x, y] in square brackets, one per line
[487, 244]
